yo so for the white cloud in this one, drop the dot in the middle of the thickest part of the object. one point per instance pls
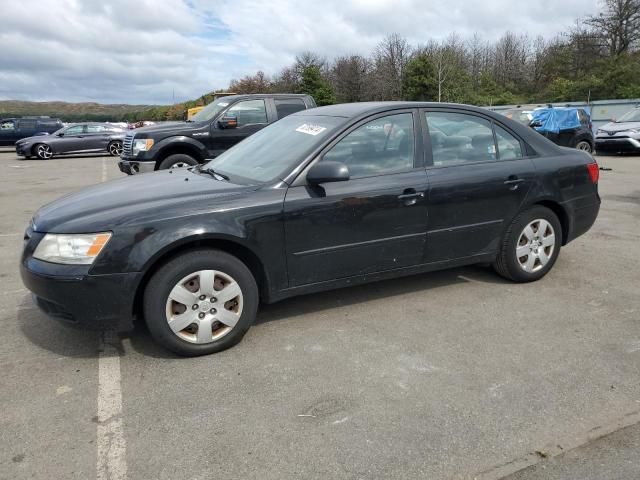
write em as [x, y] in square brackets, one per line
[141, 51]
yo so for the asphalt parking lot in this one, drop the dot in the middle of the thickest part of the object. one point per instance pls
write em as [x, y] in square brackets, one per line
[456, 374]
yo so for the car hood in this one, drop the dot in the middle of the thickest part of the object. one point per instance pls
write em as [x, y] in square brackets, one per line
[620, 127]
[37, 138]
[137, 199]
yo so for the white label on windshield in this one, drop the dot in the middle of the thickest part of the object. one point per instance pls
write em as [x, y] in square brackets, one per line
[223, 104]
[310, 129]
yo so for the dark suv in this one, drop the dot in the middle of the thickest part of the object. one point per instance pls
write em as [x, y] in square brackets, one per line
[14, 129]
[573, 127]
[217, 127]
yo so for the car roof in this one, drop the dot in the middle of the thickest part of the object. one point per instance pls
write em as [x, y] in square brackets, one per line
[265, 95]
[351, 110]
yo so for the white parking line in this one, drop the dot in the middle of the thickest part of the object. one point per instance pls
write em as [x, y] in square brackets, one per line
[111, 464]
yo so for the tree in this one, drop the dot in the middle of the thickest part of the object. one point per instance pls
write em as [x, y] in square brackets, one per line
[258, 83]
[390, 59]
[313, 84]
[350, 78]
[420, 79]
[619, 24]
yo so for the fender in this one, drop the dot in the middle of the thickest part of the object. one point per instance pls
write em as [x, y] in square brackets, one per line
[176, 141]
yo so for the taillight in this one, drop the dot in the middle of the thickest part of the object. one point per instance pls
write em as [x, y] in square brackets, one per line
[594, 172]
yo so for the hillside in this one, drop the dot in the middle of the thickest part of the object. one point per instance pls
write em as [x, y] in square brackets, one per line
[78, 111]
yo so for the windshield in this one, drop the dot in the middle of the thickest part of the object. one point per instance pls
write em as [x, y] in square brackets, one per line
[275, 149]
[212, 110]
[630, 116]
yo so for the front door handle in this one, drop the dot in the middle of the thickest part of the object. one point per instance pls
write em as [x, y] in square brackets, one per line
[513, 182]
[410, 196]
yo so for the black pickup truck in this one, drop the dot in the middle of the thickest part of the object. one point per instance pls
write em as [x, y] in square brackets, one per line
[217, 127]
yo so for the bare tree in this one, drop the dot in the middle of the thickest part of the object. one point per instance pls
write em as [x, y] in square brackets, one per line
[618, 23]
[349, 77]
[390, 59]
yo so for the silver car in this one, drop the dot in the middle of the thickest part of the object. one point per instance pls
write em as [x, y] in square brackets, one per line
[622, 135]
[77, 138]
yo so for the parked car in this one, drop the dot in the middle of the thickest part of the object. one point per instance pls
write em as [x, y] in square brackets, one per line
[620, 136]
[564, 126]
[14, 129]
[217, 127]
[324, 198]
[78, 138]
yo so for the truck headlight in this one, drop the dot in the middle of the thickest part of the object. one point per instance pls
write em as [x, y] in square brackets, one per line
[142, 145]
[75, 249]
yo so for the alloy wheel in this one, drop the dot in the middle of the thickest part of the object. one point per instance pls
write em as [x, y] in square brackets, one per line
[115, 149]
[204, 306]
[584, 146]
[44, 151]
[180, 165]
[535, 245]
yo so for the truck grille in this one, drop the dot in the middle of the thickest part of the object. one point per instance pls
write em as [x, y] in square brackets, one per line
[127, 145]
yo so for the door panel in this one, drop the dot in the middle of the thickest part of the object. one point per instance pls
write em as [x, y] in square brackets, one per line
[96, 138]
[473, 191]
[376, 221]
[72, 141]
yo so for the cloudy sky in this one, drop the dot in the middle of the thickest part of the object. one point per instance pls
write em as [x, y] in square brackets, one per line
[145, 51]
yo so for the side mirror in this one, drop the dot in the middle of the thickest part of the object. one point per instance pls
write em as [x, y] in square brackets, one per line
[327, 172]
[61, 134]
[228, 121]
[535, 124]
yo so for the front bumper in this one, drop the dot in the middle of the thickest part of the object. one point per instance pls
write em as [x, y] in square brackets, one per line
[614, 145]
[133, 167]
[22, 151]
[70, 294]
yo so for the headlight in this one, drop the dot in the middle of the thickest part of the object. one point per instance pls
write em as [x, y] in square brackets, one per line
[142, 145]
[600, 132]
[76, 249]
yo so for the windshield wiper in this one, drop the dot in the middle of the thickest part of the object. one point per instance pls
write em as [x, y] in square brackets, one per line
[213, 173]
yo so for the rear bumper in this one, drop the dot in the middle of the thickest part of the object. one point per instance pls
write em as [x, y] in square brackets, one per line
[97, 302]
[615, 145]
[133, 167]
[582, 218]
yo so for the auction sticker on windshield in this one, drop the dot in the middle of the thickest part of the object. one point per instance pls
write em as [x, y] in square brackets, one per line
[310, 129]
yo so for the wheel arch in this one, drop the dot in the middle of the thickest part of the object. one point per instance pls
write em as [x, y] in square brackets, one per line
[560, 212]
[180, 145]
[230, 246]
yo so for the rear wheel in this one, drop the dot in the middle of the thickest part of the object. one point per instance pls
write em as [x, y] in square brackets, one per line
[115, 148]
[177, 160]
[43, 151]
[201, 302]
[530, 245]
[585, 146]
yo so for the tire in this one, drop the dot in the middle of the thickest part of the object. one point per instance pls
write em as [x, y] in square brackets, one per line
[177, 160]
[181, 278]
[585, 146]
[43, 151]
[115, 148]
[516, 240]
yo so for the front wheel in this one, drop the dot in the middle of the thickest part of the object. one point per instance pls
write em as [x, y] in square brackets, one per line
[201, 302]
[43, 151]
[177, 160]
[530, 245]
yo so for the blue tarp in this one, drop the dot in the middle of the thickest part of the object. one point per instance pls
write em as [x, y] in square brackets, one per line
[555, 119]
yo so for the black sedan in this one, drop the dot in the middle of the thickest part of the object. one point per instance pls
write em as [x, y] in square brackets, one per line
[78, 138]
[321, 199]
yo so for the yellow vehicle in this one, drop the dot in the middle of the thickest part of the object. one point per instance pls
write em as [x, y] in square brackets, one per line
[192, 111]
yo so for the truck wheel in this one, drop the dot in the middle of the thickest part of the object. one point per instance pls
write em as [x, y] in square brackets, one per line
[530, 246]
[201, 302]
[177, 160]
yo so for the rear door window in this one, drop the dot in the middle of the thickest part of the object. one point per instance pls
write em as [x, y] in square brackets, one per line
[287, 106]
[459, 138]
[27, 125]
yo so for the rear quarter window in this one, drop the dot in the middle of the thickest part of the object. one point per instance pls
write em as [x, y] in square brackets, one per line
[287, 106]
